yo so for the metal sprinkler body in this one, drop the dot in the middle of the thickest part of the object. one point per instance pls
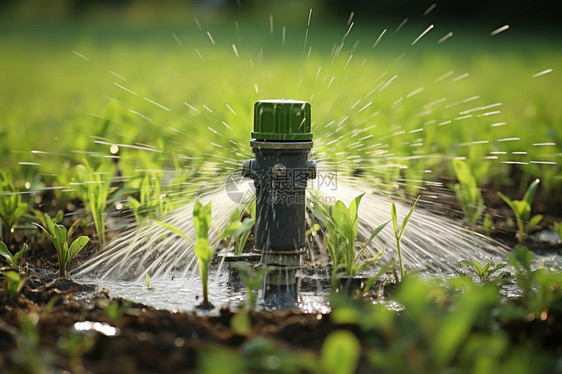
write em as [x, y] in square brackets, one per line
[281, 142]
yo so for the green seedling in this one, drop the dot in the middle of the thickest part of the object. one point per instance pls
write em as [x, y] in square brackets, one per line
[95, 189]
[148, 284]
[11, 206]
[342, 224]
[488, 224]
[74, 347]
[399, 231]
[467, 192]
[152, 202]
[13, 260]
[115, 310]
[202, 248]
[313, 230]
[521, 258]
[340, 353]
[40, 216]
[522, 210]
[389, 267]
[238, 231]
[253, 280]
[485, 273]
[59, 237]
[241, 323]
[13, 283]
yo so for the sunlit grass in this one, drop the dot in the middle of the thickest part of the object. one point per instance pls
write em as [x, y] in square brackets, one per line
[72, 90]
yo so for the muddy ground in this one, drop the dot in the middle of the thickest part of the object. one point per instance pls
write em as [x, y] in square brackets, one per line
[51, 325]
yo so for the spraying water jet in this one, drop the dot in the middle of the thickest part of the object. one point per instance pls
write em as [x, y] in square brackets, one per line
[281, 142]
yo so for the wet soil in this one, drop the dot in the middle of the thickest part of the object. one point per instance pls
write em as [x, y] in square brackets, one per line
[40, 329]
[43, 325]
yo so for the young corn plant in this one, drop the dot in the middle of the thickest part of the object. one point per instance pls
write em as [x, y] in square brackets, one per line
[485, 273]
[11, 206]
[95, 188]
[202, 248]
[522, 210]
[253, 279]
[12, 285]
[115, 310]
[40, 216]
[467, 192]
[12, 260]
[239, 230]
[148, 283]
[341, 225]
[59, 237]
[399, 231]
[152, 202]
[521, 258]
[488, 224]
[340, 353]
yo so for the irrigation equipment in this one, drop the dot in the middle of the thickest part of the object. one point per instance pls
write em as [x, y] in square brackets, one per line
[281, 142]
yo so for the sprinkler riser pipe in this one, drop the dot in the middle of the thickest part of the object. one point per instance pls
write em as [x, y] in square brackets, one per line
[280, 171]
[280, 179]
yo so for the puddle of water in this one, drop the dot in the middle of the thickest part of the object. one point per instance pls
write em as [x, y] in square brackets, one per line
[180, 293]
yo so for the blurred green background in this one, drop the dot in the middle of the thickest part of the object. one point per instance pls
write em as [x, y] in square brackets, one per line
[181, 77]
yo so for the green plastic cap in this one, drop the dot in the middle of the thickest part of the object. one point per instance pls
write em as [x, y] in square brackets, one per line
[282, 120]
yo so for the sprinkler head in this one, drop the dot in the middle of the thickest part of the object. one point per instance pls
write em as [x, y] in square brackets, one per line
[281, 142]
[282, 120]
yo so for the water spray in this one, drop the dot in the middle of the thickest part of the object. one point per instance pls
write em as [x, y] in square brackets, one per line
[281, 142]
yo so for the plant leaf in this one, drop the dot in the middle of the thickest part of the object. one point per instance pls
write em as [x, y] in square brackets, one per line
[229, 230]
[407, 218]
[174, 229]
[467, 263]
[13, 276]
[15, 261]
[376, 232]
[134, 204]
[521, 256]
[341, 217]
[77, 246]
[203, 250]
[58, 218]
[60, 236]
[530, 194]
[72, 229]
[464, 174]
[50, 225]
[497, 267]
[5, 252]
[534, 221]
[340, 353]
[202, 219]
[394, 219]
[39, 215]
[478, 267]
[353, 213]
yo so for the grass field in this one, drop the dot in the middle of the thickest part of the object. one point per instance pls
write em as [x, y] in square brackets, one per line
[416, 106]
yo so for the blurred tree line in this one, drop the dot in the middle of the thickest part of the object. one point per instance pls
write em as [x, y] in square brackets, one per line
[523, 12]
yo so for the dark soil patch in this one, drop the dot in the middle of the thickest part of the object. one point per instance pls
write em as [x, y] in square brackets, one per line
[147, 340]
[39, 328]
